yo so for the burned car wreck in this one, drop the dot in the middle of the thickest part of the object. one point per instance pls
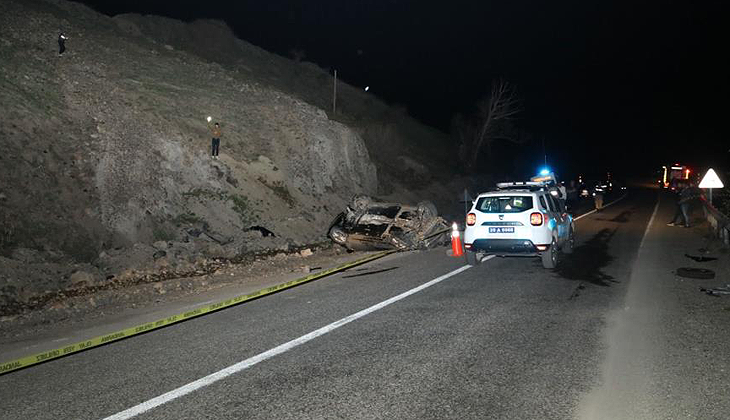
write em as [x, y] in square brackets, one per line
[368, 224]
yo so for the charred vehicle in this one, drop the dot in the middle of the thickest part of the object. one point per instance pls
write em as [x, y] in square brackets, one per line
[370, 224]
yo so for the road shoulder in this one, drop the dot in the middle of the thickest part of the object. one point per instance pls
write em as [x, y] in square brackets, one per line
[77, 320]
[666, 346]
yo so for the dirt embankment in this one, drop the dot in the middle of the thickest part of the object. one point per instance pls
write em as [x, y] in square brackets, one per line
[106, 174]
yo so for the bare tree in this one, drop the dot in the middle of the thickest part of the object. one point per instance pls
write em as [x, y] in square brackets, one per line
[494, 120]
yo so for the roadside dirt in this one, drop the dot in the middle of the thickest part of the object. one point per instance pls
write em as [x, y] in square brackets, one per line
[64, 310]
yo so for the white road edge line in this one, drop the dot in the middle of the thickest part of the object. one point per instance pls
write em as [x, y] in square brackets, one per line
[648, 225]
[221, 374]
[593, 211]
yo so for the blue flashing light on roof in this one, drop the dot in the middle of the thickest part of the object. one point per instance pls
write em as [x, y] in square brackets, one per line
[544, 171]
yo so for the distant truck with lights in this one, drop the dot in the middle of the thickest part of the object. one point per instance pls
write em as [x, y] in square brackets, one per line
[670, 175]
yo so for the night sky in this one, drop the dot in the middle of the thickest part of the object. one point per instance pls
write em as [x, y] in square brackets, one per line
[620, 85]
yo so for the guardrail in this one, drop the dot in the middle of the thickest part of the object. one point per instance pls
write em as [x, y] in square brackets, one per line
[719, 222]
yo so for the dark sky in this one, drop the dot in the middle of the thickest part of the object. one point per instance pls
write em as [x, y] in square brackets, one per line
[624, 85]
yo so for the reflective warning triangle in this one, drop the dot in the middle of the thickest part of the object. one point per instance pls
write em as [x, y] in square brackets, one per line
[711, 180]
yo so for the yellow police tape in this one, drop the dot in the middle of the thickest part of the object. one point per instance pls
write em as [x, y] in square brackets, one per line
[108, 338]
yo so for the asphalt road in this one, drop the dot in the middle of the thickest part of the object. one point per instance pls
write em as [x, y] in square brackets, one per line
[504, 340]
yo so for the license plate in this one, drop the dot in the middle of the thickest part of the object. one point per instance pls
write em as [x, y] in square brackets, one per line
[501, 230]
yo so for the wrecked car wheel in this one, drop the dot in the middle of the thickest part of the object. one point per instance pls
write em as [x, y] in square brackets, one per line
[360, 202]
[427, 210]
[338, 235]
[335, 232]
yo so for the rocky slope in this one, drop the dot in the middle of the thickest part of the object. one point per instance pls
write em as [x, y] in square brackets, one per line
[106, 174]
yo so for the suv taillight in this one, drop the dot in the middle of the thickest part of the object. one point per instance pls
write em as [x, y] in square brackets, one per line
[536, 219]
[471, 218]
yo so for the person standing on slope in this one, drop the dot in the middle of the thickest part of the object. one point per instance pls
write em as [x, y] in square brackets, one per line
[61, 43]
[216, 143]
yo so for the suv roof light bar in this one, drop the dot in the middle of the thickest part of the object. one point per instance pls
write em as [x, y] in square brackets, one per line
[523, 184]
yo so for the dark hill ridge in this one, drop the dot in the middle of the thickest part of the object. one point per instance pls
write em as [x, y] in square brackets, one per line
[106, 168]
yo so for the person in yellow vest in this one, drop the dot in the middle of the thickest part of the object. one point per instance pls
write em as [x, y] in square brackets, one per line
[216, 144]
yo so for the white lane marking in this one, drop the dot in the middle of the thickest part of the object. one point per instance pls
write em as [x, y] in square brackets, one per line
[221, 374]
[651, 220]
[487, 258]
[593, 211]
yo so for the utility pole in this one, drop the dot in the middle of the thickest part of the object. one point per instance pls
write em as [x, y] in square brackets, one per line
[334, 96]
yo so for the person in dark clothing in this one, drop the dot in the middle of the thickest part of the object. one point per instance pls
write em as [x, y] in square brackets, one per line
[216, 143]
[687, 193]
[572, 196]
[677, 187]
[61, 43]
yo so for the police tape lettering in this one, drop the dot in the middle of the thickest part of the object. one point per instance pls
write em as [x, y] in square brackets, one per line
[47, 355]
[144, 327]
[11, 366]
[112, 337]
[191, 313]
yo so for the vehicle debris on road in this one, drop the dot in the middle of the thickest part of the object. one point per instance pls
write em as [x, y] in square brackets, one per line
[700, 258]
[695, 273]
[718, 291]
[369, 224]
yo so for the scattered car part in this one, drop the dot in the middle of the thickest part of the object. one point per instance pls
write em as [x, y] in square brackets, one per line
[695, 273]
[718, 291]
[700, 259]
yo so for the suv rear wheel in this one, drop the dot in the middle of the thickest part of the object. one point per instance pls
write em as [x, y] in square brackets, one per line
[473, 258]
[550, 256]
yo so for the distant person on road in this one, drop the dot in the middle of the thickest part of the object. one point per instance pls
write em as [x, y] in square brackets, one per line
[61, 43]
[571, 195]
[687, 193]
[598, 197]
[216, 143]
[677, 188]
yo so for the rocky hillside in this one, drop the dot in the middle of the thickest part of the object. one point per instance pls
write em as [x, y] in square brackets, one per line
[106, 171]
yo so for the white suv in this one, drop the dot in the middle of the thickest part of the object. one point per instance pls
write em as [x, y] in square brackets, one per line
[519, 219]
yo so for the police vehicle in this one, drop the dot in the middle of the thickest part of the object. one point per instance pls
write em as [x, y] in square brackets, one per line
[526, 218]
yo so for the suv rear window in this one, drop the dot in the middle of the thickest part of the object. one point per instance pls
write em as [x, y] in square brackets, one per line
[504, 204]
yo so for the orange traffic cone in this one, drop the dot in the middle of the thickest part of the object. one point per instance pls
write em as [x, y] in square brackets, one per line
[457, 249]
